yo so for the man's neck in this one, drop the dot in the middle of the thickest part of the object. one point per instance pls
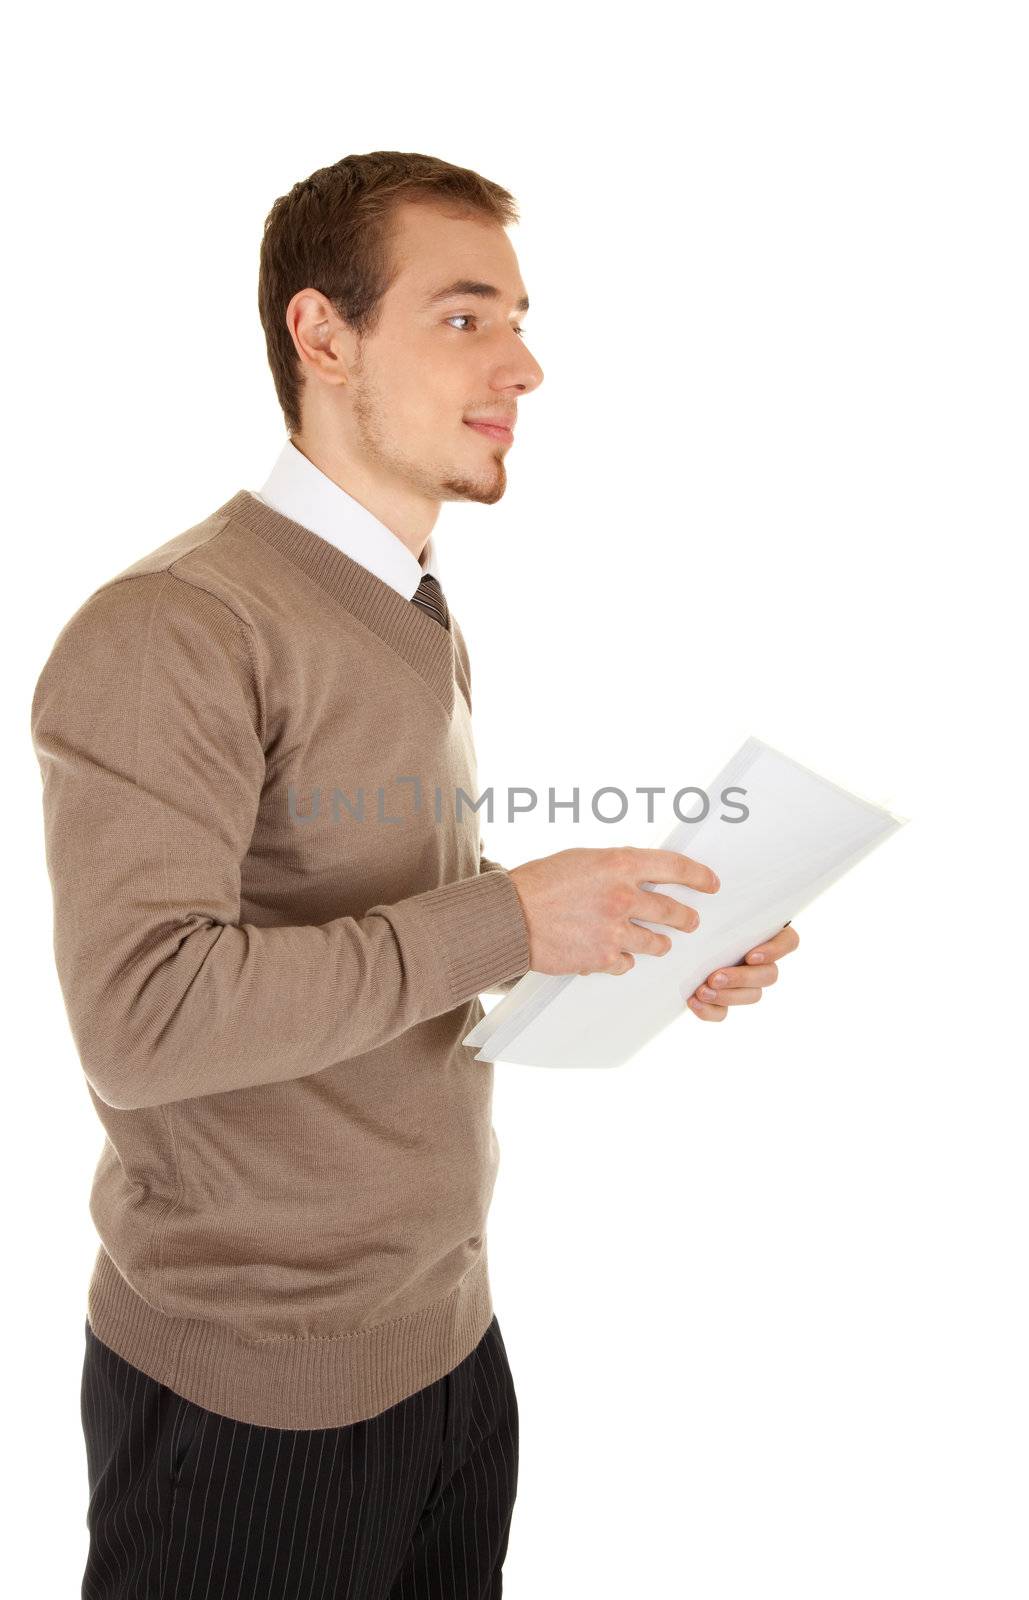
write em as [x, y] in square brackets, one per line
[408, 515]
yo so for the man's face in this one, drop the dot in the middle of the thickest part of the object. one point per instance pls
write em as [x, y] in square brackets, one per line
[434, 363]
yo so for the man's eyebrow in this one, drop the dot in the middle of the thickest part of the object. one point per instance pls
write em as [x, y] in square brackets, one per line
[463, 286]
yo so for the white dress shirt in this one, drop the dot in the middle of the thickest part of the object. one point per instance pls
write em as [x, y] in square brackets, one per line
[301, 491]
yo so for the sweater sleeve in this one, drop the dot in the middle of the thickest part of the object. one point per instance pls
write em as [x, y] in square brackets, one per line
[147, 723]
[500, 985]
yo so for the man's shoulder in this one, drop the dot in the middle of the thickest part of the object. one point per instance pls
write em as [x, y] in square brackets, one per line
[195, 580]
[209, 557]
[205, 554]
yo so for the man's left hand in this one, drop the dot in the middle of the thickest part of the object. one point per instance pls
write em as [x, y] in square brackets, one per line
[743, 984]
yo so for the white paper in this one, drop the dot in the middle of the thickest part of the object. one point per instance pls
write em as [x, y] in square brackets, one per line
[802, 833]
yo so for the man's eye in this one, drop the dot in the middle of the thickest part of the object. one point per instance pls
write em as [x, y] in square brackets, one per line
[465, 316]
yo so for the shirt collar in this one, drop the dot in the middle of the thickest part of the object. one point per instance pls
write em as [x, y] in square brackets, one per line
[301, 491]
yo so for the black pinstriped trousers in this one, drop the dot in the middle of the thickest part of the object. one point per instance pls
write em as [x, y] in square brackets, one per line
[413, 1504]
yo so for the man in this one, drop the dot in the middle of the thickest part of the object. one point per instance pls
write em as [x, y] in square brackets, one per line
[294, 1381]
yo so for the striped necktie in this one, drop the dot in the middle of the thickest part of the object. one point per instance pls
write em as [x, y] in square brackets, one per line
[429, 596]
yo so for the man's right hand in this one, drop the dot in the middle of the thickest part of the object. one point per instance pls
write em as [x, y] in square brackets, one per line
[579, 904]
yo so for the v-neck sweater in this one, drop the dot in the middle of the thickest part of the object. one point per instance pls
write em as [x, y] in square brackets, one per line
[272, 923]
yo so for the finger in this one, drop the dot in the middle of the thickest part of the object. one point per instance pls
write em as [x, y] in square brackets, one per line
[625, 963]
[706, 1013]
[643, 941]
[651, 906]
[729, 997]
[670, 866]
[781, 944]
[724, 979]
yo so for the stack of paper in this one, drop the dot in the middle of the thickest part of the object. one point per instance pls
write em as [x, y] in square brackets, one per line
[802, 832]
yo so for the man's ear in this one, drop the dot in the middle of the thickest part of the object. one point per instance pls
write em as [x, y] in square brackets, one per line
[325, 345]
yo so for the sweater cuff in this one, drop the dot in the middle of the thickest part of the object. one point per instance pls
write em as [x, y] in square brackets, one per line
[471, 934]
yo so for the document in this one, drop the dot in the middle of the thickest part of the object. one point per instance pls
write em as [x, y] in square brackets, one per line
[776, 833]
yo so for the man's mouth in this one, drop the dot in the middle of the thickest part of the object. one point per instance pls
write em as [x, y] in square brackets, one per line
[493, 431]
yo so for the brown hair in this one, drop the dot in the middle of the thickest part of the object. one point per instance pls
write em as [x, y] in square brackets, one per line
[332, 232]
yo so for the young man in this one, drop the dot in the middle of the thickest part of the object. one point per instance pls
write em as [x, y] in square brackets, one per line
[272, 927]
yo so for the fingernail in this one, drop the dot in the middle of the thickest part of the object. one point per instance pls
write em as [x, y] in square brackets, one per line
[708, 994]
[717, 882]
[720, 977]
[756, 955]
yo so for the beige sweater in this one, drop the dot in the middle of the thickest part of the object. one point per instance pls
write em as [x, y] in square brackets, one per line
[267, 988]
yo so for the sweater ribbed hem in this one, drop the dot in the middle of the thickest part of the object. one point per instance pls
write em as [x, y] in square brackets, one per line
[321, 1381]
[462, 937]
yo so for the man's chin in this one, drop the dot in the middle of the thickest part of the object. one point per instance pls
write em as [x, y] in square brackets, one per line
[486, 490]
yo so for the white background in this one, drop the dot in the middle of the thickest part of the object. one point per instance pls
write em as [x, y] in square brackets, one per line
[763, 1290]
